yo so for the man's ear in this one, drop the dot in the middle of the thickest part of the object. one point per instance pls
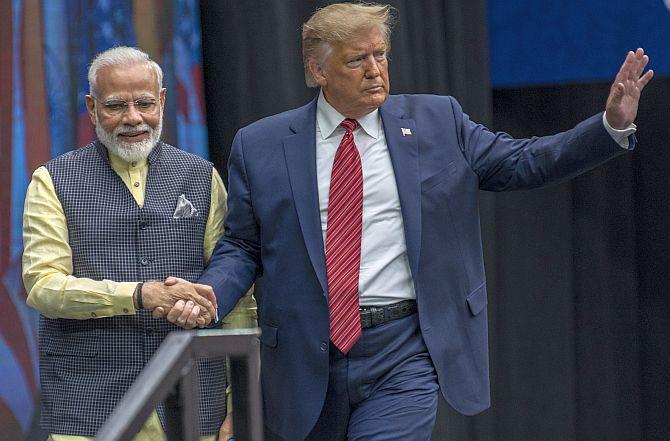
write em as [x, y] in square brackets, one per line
[319, 75]
[162, 96]
[90, 108]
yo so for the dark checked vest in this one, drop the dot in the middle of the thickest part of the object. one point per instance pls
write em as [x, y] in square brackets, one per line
[86, 366]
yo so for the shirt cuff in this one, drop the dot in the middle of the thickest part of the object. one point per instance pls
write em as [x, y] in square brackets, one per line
[123, 298]
[619, 136]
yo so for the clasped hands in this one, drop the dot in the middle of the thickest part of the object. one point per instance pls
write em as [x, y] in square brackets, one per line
[183, 303]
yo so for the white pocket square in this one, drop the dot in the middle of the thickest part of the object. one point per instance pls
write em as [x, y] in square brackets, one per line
[185, 209]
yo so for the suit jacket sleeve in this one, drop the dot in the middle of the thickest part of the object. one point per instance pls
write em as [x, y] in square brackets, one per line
[504, 163]
[235, 262]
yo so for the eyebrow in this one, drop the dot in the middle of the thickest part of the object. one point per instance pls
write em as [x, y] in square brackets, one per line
[117, 98]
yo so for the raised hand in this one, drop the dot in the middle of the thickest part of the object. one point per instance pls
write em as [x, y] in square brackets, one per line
[624, 97]
[183, 296]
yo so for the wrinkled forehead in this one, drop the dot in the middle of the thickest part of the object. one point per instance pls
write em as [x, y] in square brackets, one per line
[123, 79]
[370, 39]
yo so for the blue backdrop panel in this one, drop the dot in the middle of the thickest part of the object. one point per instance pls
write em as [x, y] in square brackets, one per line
[548, 42]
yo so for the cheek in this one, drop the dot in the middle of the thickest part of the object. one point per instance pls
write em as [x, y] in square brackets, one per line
[385, 77]
[108, 124]
[344, 84]
[152, 120]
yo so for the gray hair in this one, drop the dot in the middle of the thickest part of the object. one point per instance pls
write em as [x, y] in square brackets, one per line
[338, 23]
[121, 56]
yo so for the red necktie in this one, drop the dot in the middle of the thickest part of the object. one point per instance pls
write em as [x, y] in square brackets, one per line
[343, 241]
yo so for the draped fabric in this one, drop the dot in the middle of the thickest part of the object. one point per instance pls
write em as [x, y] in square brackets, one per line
[45, 49]
[578, 273]
[581, 311]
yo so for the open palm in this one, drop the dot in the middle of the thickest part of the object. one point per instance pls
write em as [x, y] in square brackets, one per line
[624, 97]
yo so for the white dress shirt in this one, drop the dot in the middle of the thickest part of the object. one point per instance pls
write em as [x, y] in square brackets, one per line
[385, 275]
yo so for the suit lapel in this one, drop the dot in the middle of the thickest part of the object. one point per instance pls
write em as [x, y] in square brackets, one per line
[404, 151]
[300, 154]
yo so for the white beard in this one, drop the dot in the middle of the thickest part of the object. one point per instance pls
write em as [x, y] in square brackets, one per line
[129, 151]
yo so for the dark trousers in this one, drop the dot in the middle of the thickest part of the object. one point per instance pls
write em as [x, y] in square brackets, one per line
[385, 388]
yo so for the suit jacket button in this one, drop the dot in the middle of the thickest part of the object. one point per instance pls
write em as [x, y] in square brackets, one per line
[149, 331]
[324, 346]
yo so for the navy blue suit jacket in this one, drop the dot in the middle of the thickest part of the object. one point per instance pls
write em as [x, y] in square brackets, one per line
[273, 232]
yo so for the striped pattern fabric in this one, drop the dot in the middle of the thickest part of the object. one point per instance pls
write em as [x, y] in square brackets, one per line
[343, 241]
[86, 366]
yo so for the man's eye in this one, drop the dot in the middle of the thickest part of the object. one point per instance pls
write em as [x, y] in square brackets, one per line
[115, 106]
[144, 105]
[380, 56]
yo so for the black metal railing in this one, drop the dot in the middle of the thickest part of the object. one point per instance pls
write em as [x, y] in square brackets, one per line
[174, 364]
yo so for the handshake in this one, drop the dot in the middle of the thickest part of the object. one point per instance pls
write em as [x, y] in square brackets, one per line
[181, 302]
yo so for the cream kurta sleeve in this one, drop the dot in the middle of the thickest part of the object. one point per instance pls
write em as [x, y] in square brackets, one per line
[47, 263]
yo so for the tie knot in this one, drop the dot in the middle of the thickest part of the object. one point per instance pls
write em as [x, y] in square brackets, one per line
[349, 124]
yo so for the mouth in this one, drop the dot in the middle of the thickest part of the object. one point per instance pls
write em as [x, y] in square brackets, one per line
[133, 136]
[375, 89]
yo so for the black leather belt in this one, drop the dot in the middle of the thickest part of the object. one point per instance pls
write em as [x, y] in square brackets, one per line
[372, 316]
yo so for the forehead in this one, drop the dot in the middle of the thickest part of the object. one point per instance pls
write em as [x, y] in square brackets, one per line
[372, 39]
[130, 80]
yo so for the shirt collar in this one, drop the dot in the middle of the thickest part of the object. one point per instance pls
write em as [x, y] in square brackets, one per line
[329, 119]
[119, 164]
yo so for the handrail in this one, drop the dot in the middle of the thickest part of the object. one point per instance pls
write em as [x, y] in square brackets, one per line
[174, 363]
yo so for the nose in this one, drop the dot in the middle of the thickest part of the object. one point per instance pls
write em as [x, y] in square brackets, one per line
[132, 116]
[371, 67]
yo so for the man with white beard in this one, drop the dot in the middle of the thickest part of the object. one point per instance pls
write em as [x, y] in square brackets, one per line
[104, 225]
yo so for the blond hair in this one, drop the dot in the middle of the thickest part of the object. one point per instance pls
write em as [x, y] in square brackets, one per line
[341, 22]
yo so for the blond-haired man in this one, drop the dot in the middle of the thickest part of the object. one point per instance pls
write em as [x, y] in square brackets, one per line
[358, 215]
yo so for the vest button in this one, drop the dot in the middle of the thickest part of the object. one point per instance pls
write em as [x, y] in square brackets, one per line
[324, 346]
[149, 331]
[144, 262]
[144, 225]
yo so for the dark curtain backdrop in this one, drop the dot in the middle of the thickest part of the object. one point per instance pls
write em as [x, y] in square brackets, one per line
[578, 305]
[581, 312]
